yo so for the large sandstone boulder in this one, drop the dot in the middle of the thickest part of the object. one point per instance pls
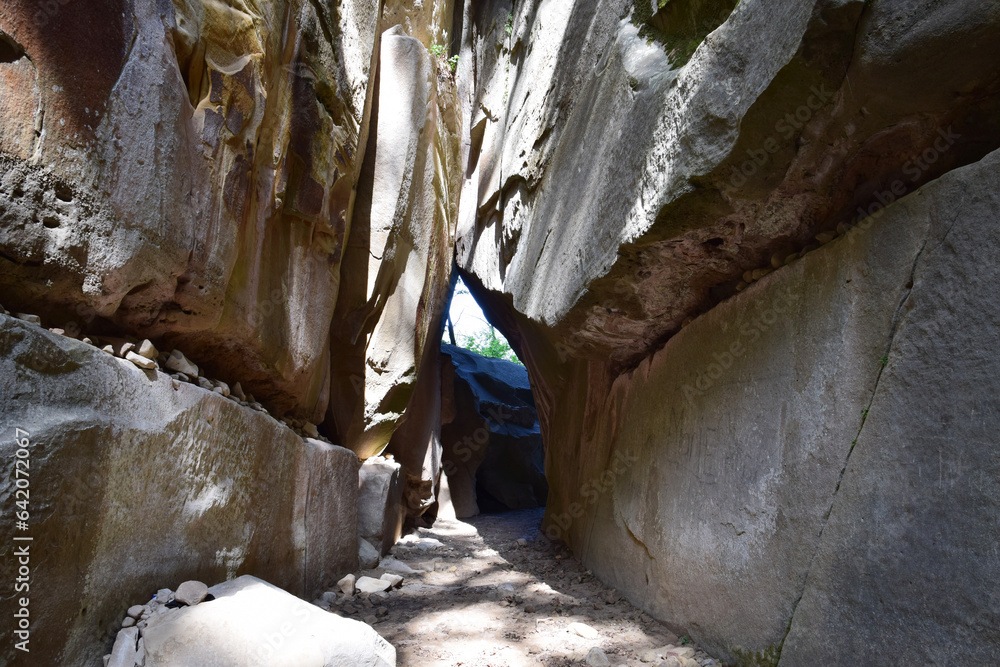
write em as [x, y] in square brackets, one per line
[251, 623]
[134, 481]
[493, 454]
[187, 170]
[621, 181]
[397, 271]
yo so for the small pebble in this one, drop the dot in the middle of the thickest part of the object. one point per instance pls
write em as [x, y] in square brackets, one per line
[146, 349]
[597, 658]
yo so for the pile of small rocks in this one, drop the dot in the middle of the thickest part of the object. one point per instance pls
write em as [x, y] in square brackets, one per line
[128, 650]
[143, 354]
[360, 596]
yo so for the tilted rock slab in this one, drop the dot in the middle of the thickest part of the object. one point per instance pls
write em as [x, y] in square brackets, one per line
[134, 483]
[397, 271]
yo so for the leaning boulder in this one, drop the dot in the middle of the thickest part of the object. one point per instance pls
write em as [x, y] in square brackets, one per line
[252, 623]
[493, 452]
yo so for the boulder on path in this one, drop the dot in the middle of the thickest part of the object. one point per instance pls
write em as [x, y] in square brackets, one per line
[251, 623]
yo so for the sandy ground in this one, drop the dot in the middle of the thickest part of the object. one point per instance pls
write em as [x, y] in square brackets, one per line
[494, 592]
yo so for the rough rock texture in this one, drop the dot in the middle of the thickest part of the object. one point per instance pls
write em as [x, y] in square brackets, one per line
[612, 192]
[135, 482]
[815, 438]
[192, 176]
[493, 453]
[252, 623]
[380, 503]
[631, 166]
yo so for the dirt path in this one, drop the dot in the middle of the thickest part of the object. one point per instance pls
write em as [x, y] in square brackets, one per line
[494, 592]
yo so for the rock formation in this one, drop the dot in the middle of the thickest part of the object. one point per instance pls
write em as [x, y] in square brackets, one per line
[777, 467]
[133, 480]
[745, 250]
[493, 453]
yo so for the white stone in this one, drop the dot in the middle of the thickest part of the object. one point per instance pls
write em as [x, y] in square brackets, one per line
[124, 651]
[140, 361]
[191, 592]
[346, 585]
[135, 611]
[393, 579]
[681, 652]
[397, 566]
[30, 319]
[251, 623]
[178, 362]
[583, 630]
[148, 350]
[372, 585]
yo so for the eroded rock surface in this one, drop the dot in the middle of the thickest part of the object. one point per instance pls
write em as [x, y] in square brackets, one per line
[135, 481]
[192, 177]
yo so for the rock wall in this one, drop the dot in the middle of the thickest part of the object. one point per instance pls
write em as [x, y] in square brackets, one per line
[633, 170]
[134, 482]
[269, 189]
[191, 178]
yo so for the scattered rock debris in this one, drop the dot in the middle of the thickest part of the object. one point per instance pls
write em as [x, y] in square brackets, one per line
[494, 592]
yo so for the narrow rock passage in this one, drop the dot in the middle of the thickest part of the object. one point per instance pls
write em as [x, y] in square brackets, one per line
[495, 592]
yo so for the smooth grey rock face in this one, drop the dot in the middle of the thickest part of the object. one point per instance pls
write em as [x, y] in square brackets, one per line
[906, 566]
[139, 483]
[824, 436]
[251, 623]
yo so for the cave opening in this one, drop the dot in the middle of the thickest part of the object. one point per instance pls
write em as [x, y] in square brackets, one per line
[493, 458]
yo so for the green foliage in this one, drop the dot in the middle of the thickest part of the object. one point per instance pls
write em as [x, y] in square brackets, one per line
[490, 344]
[509, 26]
[885, 360]
[685, 640]
[440, 52]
